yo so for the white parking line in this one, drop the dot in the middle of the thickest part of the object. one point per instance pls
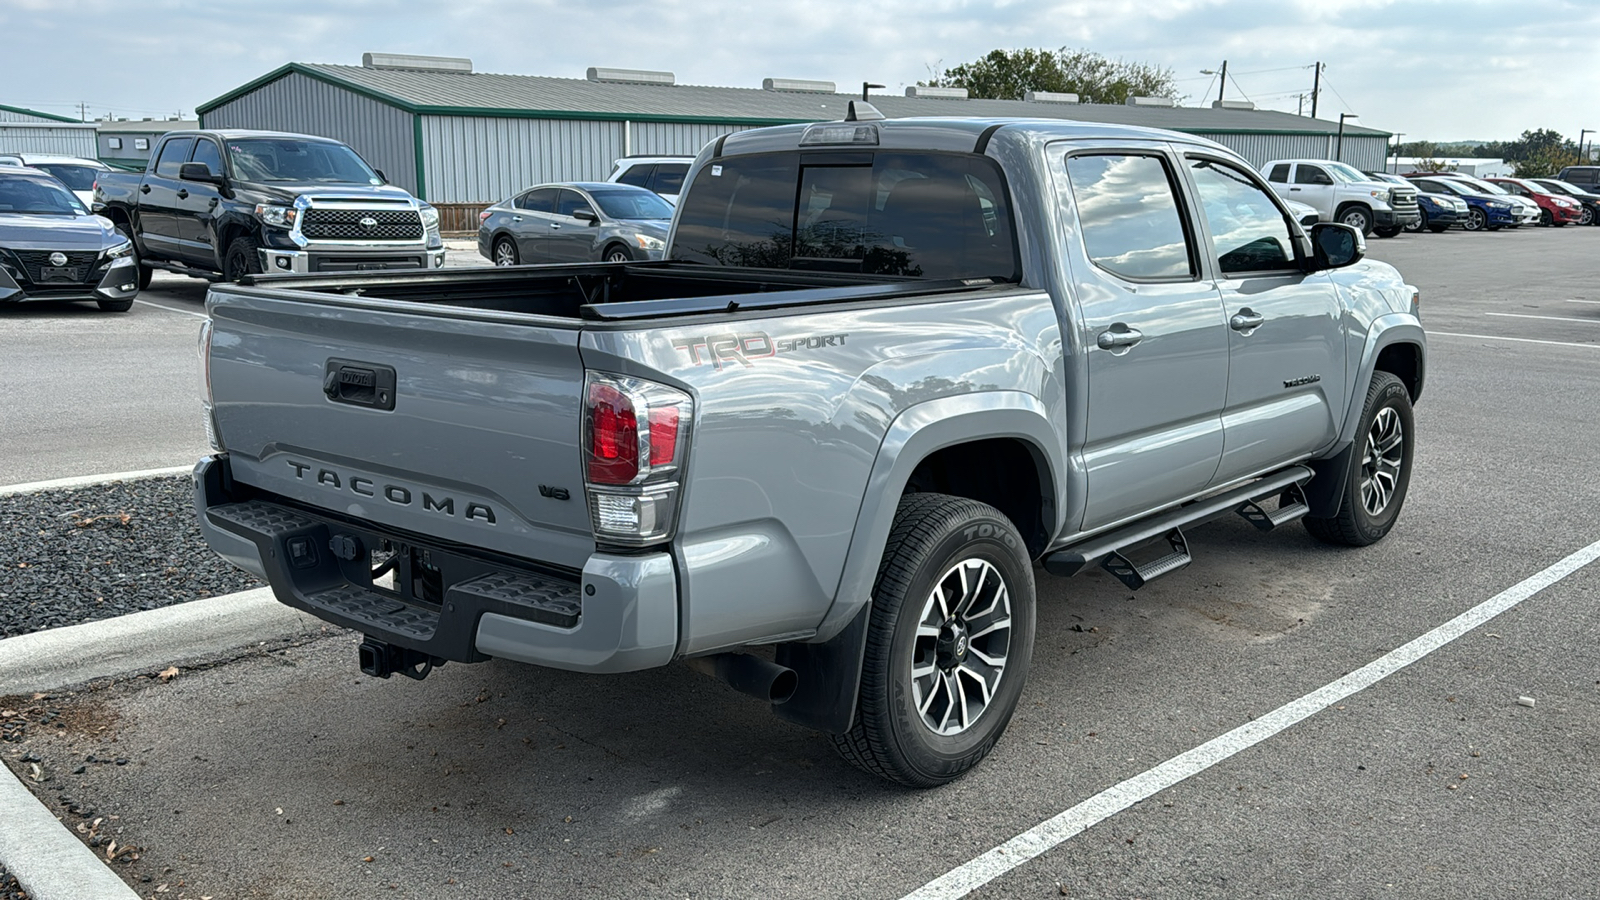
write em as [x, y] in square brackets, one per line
[86, 480]
[171, 309]
[969, 876]
[1497, 337]
[1547, 318]
[1576, 300]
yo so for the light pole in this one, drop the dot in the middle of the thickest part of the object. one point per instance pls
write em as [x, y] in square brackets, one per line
[1338, 152]
[867, 86]
[1583, 158]
[1397, 136]
[1223, 81]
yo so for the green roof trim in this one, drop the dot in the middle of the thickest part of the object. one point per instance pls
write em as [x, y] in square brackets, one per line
[43, 115]
[311, 73]
[503, 113]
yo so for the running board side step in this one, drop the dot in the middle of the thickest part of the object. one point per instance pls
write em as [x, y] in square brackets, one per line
[1110, 550]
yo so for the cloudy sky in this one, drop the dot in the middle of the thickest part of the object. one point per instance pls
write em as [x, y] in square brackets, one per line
[1432, 69]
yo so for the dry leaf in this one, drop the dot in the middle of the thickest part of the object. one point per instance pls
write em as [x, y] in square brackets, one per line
[111, 850]
[169, 673]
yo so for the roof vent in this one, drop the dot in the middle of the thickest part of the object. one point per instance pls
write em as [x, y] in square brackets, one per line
[936, 93]
[799, 86]
[1152, 101]
[1049, 97]
[630, 76]
[1232, 104]
[405, 62]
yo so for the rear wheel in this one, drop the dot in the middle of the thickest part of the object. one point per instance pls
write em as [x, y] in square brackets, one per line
[948, 644]
[505, 252]
[1380, 469]
[242, 258]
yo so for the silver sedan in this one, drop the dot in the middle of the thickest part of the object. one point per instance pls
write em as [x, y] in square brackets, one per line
[575, 222]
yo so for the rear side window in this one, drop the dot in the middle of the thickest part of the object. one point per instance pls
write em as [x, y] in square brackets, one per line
[1128, 214]
[913, 215]
[1280, 173]
[669, 178]
[638, 176]
[543, 200]
[174, 154]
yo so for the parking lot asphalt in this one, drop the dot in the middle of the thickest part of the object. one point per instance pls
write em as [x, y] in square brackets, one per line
[288, 774]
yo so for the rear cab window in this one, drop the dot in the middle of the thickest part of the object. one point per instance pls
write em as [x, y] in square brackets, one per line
[911, 215]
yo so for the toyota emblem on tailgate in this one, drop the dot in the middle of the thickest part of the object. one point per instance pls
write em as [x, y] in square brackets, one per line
[58, 259]
[369, 223]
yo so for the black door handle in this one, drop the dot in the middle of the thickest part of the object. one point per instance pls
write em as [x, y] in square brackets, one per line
[183, 193]
[144, 188]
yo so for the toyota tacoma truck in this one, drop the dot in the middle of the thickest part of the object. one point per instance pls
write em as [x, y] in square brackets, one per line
[887, 371]
[1342, 193]
[226, 204]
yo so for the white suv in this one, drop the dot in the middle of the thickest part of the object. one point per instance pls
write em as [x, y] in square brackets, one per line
[1341, 193]
[662, 174]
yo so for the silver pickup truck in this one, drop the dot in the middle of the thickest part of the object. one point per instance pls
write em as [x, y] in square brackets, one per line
[886, 368]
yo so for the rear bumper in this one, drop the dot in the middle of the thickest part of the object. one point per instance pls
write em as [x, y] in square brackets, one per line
[453, 603]
[303, 262]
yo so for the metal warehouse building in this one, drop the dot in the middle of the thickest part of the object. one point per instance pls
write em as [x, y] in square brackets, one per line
[458, 137]
[28, 131]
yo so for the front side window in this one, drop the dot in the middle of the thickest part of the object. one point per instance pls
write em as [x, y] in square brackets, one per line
[569, 202]
[206, 152]
[1304, 174]
[174, 154]
[913, 215]
[1247, 228]
[1128, 214]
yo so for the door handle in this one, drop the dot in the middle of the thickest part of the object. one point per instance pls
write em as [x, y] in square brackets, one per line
[516, 218]
[555, 226]
[183, 193]
[144, 188]
[1118, 337]
[1246, 320]
[1294, 189]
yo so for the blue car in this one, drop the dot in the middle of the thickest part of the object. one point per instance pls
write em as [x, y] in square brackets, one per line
[1484, 212]
[1438, 211]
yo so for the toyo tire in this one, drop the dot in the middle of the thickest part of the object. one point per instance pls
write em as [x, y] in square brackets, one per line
[948, 643]
[1380, 469]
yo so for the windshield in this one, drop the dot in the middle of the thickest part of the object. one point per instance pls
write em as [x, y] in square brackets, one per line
[640, 204]
[1536, 187]
[38, 197]
[1347, 174]
[1483, 187]
[287, 159]
[77, 178]
[1562, 186]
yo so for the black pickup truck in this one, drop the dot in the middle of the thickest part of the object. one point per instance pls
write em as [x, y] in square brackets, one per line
[225, 204]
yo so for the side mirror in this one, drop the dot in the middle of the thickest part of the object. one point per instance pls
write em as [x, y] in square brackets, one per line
[382, 177]
[1335, 246]
[585, 215]
[1320, 178]
[196, 171]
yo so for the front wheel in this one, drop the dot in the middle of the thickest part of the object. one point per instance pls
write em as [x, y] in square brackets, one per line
[242, 258]
[948, 644]
[1545, 219]
[1420, 223]
[1477, 220]
[1380, 469]
[617, 253]
[1587, 216]
[1438, 229]
[1388, 232]
[1357, 217]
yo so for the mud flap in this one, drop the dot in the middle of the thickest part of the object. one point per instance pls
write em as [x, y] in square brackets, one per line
[829, 678]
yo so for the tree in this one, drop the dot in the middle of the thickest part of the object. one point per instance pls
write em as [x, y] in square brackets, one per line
[1009, 74]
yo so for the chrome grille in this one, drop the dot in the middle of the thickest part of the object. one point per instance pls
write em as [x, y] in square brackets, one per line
[348, 224]
[33, 263]
[1403, 198]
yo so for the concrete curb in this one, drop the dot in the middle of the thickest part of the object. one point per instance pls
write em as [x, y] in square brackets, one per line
[58, 657]
[31, 487]
[46, 859]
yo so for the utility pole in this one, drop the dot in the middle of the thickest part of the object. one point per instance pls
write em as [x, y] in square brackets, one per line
[1397, 136]
[1583, 158]
[1316, 88]
[1300, 104]
[1222, 83]
[83, 111]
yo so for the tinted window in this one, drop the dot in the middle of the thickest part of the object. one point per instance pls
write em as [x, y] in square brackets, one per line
[914, 215]
[1280, 173]
[1247, 228]
[78, 178]
[632, 205]
[1128, 212]
[206, 152]
[542, 200]
[669, 178]
[1304, 174]
[638, 176]
[569, 202]
[174, 153]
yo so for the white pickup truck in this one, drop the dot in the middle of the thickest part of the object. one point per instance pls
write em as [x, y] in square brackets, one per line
[1341, 193]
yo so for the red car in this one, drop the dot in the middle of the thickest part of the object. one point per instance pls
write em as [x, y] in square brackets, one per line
[1554, 209]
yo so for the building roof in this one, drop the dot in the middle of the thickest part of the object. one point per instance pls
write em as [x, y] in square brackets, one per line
[145, 126]
[43, 116]
[534, 96]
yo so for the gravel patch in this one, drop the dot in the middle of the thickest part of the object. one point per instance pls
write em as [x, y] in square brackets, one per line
[9, 889]
[81, 554]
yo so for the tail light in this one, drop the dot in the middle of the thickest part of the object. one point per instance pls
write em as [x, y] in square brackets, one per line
[212, 436]
[484, 216]
[635, 434]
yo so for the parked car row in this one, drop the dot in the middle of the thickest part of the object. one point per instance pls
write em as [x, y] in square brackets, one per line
[53, 248]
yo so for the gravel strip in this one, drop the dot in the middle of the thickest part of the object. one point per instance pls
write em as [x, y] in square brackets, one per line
[9, 889]
[81, 554]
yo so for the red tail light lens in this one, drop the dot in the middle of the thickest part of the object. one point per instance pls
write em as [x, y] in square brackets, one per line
[663, 435]
[483, 216]
[613, 436]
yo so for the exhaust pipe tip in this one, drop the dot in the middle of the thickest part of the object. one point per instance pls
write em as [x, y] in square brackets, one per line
[750, 675]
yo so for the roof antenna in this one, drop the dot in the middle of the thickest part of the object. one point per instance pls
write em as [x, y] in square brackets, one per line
[862, 111]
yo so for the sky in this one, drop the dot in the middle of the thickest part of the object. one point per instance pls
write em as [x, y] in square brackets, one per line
[1438, 70]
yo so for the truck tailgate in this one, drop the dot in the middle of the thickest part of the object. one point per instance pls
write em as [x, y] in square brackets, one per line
[476, 441]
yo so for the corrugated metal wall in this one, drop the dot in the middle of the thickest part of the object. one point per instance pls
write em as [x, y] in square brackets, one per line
[1366, 153]
[668, 138]
[473, 159]
[44, 139]
[382, 134]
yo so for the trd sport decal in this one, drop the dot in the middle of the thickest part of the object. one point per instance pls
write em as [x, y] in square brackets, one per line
[726, 349]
